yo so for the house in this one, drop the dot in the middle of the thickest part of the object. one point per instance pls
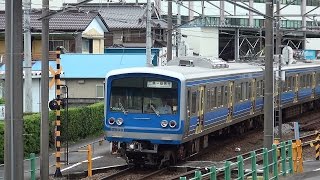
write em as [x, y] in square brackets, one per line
[127, 24]
[75, 31]
[83, 74]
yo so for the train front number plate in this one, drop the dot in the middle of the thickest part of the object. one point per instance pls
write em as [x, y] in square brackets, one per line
[118, 129]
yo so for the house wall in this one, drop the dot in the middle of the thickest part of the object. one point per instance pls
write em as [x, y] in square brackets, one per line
[83, 88]
[36, 99]
[204, 41]
[2, 48]
[95, 32]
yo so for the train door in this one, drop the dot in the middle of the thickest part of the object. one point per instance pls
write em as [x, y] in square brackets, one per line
[188, 116]
[313, 85]
[253, 95]
[296, 87]
[200, 122]
[230, 100]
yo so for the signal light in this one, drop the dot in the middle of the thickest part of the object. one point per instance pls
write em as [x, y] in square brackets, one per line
[53, 104]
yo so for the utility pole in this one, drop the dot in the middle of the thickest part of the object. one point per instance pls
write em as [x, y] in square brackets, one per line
[27, 57]
[169, 32]
[268, 95]
[179, 35]
[44, 149]
[13, 147]
[148, 35]
[278, 112]
[304, 21]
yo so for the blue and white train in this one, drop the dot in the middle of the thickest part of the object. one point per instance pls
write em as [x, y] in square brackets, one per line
[158, 115]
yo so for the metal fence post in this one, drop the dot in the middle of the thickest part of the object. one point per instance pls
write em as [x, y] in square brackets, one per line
[213, 173]
[254, 165]
[294, 156]
[227, 171]
[240, 168]
[265, 164]
[33, 166]
[283, 158]
[197, 175]
[89, 161]
[299, 156]
[275, 161]
[290, 156]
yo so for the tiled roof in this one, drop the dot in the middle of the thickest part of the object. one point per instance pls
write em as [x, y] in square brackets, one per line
[67, 21]
[123, 16]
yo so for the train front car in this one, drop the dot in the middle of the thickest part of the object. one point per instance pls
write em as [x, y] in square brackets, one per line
[143, 115]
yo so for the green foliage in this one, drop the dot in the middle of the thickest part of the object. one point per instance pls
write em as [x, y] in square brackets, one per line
[1, 100]
[83, 122]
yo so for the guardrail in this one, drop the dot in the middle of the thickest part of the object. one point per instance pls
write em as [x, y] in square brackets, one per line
[286, 157]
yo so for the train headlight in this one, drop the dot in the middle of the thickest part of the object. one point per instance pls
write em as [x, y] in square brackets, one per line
[119, 121]
[164, 123]
[111, 121]
[172, 123]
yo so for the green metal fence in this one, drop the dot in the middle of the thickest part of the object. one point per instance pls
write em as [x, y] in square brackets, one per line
[281, 165]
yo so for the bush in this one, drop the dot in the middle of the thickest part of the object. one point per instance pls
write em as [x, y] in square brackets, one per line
[83, 122]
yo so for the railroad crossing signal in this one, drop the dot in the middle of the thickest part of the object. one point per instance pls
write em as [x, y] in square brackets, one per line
[54, 73]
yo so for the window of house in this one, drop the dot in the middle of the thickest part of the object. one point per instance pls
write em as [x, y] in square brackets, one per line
[85, 46]
[100, 91]
[53, 44]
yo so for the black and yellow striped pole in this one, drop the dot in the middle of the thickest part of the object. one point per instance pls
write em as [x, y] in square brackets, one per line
[58, 117]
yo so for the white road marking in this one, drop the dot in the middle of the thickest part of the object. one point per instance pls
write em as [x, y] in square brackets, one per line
[77, 164]
[317, 169]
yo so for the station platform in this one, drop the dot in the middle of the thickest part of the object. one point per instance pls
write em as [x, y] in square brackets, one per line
[311, 171]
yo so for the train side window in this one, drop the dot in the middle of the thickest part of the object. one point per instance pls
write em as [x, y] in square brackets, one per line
[288, 83]
[208, 106]
[219, 96]
[238, 92]
[249, 90]
[194, 102]
[225, 95]
[243, 92]
[213, 98]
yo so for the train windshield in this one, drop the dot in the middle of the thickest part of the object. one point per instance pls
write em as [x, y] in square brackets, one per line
[144, 95]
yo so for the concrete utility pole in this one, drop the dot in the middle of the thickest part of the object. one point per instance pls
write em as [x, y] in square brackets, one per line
[179, 35]
[268, 95]
[44, 149]
[304, 21]
[148, 35]
[222, 18]
[278, 52]
[13, 148]
[169, 32]
[27, 57]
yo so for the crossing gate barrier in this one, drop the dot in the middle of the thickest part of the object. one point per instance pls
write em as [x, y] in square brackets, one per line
[269, 170]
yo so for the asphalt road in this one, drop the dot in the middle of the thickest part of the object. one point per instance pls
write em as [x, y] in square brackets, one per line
[77, 160]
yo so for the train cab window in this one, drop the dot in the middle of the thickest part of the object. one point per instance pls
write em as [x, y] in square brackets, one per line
[144, 95]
